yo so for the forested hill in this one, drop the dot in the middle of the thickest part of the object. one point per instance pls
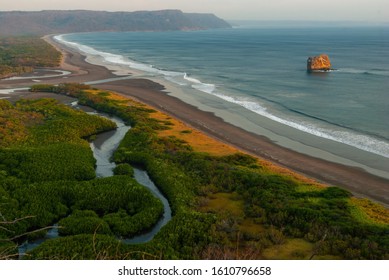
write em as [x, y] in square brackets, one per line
[47, 22]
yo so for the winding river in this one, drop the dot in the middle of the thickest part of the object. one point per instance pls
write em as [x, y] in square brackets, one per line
[103, 148]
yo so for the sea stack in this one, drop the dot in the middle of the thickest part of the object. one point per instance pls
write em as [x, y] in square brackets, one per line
[318, 63]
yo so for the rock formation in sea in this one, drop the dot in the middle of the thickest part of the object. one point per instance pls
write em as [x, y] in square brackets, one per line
[318, 63]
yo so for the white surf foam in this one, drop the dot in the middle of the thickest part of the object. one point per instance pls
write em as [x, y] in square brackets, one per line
[117, 59]
[378, 72]
[179, 78]
[197, 84]
[360, 141]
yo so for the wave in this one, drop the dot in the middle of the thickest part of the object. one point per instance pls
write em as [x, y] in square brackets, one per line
[117, 59]
[376, 72]
[336, 133]
[197, 84]
[351, 138]
[180, 78]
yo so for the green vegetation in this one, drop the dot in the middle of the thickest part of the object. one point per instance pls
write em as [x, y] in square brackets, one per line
[123, 169]
[60, 22]
[47, 176]
[83, 222]
[40, 138]
[19, 55]
[224, 206]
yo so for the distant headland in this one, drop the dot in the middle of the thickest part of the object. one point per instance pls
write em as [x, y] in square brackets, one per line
[49, 22]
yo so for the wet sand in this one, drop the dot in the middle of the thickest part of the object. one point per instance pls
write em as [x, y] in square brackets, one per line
[356, 180]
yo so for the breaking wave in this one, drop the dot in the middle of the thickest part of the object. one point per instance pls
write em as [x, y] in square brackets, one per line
[335, 133]
[377, 72]
[338, 134]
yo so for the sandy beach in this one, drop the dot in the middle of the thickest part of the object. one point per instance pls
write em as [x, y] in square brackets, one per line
[356, 180]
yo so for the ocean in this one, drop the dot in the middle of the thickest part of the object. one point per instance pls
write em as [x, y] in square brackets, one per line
[256, 78]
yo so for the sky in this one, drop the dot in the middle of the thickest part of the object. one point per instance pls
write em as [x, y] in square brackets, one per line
[328, 10]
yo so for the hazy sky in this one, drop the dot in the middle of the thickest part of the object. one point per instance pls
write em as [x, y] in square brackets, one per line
[355, 10]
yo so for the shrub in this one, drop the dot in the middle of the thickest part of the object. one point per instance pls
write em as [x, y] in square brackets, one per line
[124, 169]
[83, 222]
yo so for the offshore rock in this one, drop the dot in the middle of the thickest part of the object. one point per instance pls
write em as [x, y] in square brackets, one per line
[318, 63]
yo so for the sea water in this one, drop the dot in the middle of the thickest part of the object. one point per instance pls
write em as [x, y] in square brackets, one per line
[256, 78]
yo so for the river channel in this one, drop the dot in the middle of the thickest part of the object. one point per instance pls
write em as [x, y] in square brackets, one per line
[103, 148]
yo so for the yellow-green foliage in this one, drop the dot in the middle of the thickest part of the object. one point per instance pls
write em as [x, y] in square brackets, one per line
[366, 211]
[41, 140]
[291, 249]
[308, 188]
[61, 123]
[21, 54]
[229, 203]
[14, 124]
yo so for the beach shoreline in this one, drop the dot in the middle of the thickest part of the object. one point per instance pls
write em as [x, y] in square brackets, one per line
[356, 180]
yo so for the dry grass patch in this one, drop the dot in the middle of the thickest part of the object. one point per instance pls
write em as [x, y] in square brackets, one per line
[224, 203]
[250, 227]
[232, 204]
[300, 178]
[290, 250]
[196, 139]
[117, 97]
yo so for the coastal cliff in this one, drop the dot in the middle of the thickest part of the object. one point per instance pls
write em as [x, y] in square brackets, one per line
[48, 22]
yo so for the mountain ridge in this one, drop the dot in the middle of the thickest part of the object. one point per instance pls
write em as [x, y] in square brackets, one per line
[71, 21]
